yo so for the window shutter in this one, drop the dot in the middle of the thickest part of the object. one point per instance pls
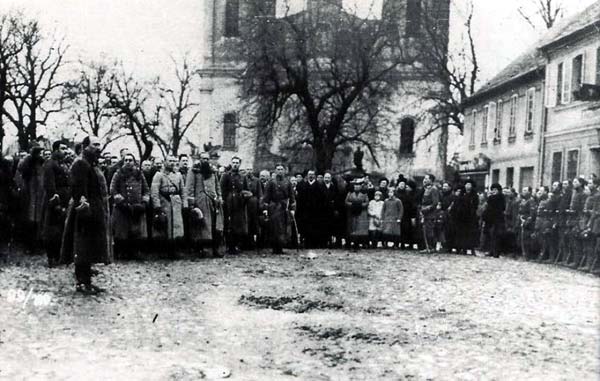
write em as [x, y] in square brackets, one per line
[567, 73]
[551, 84]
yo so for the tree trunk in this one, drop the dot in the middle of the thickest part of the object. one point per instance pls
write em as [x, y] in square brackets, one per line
[23, 140]
[323, 157]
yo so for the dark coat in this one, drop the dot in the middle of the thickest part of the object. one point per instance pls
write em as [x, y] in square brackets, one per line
[129, 215]
[56, 182]
[236, 193]
[87, 237]
[253, 206]
[8, 204]
[463, 216]
[279, 199]
[29, 180]
[494, 212]
[311, 210]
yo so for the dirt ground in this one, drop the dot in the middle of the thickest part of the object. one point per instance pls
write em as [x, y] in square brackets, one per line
[319, 315]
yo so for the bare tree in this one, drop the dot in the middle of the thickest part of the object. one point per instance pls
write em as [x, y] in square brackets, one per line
[549, 11]
[134, 102]
[89, 103]
[457, 71]
[324, 76]
[33, 85]
[181, 109]
[10, 47]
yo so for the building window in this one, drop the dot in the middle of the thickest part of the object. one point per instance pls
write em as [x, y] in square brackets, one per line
[510, 177]
[499, 117]
[530, 113]
[513, 115]
[473, 127]
[572, 164]
[577, 75]
[559, 84]
[232, 18]
[413, 18]
[526, 177]
[229, 130]
[557, 164]
[495, 176]
[407, 135]
[484, 123]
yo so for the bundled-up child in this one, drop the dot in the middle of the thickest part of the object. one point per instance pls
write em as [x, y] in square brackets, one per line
[391, 217]
[440, 227]
[374, 210]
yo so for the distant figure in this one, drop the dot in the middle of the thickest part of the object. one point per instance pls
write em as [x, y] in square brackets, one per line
[358, 158]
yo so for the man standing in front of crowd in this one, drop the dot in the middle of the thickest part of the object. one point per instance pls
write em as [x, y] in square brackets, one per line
[235, 191]
[280, 204]
[527, 218]
[169, 198]
[429, 202]
[131, 195]
[57, 192]
[87, 239]
[204, 198]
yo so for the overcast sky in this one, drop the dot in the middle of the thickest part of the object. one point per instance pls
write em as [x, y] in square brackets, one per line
[145, 33]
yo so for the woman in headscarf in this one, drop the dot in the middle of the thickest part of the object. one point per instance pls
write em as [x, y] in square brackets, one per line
[357, 203]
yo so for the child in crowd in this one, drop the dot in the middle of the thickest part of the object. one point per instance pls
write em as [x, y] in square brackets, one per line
[374, 210]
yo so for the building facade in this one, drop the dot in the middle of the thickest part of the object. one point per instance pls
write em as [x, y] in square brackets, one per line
[400, 150]
[538, 120]
[572, 137]
[504, 125]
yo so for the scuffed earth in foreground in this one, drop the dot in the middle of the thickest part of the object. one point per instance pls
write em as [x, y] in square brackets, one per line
[315, 316]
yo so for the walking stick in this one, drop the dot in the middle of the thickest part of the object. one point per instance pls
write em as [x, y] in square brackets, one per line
[297, 233]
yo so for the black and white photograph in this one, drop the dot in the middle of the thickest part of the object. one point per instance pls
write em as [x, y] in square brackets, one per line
[300, 190]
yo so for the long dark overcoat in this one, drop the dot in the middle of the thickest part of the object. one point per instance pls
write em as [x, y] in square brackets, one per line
[56, 182]
[233, 185]
[87, 237]
[279, 200]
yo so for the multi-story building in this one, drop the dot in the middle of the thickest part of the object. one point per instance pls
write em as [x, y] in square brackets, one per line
[503, 126]
[572, 136]
[411, 113]
[538, 120]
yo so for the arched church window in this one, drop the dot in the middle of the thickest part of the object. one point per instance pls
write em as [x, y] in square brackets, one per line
[229, 130]
[413, 17]
[407, 135]
[232, 18]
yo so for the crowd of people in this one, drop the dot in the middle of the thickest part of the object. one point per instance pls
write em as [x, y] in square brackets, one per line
[84, 206]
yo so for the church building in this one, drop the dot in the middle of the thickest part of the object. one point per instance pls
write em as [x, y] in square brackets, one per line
[405, 148]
